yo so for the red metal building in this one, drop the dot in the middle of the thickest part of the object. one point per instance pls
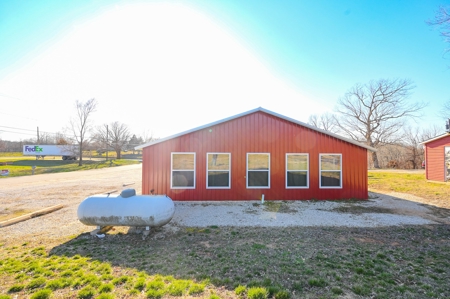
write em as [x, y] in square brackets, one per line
[254, 154]
[437, 158]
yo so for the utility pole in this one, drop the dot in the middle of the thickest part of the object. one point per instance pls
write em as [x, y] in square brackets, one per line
[38, 141]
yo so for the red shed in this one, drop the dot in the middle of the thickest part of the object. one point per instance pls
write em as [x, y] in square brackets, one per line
[437, 158]
[254, 154]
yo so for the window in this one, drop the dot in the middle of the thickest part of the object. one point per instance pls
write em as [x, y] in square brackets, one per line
[297, 169]
[183, 171]
[330, 170]
[258, 170]
[218, 170]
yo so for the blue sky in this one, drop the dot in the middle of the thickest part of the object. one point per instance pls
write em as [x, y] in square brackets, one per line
[165, 67]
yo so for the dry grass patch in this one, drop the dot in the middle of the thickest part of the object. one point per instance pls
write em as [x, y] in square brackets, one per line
[416, 184]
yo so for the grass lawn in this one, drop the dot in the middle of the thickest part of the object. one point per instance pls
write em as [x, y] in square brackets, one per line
[410, 183]
[20, 166]
[226, 262]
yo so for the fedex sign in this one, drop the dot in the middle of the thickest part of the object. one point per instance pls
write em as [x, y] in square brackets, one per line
[34, 149]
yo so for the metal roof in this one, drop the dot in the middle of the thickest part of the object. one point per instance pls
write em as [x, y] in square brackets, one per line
[260, 109]
[435, 138]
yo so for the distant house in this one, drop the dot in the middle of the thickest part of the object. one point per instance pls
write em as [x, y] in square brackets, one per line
[437, 158]
[253, 154]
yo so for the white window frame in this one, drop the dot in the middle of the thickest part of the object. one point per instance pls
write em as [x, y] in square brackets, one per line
[320, 171]
[247, 170]
[172, 170]
[229, 171]
[307, 170]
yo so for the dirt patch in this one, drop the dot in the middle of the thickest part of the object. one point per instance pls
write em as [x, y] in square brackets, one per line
[355, 209]
[438, 212]
[279, 207]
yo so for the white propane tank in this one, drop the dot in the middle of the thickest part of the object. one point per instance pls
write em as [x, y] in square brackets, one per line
[126, 209]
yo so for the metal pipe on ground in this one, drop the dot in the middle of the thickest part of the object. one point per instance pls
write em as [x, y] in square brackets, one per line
[30, 215]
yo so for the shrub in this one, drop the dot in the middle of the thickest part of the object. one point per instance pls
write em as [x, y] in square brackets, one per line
[42, 294]
[105, 296]
[257, 293]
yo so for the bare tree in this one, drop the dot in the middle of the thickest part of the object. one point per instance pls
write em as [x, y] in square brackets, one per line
[2, 145]
[147, 136]
[80, 124]
[116, 136]
[134, 141]
[61, 139]
[326, 121]
[432, 132]
[375, 112]
[442, 20]
[414, 150]
[445, 111]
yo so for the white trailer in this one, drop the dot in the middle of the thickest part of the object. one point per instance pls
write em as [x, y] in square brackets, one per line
[67, 152]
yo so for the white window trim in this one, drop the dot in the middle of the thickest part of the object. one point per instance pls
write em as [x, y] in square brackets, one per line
[246, 172]
[307, 171]
[171, 170]
[229, 171]
[320, 171]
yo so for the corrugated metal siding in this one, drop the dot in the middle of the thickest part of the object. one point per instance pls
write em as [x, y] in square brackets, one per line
[257, 132]
[435, 161]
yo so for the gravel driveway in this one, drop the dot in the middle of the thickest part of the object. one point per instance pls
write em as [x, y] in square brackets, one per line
[41, 191]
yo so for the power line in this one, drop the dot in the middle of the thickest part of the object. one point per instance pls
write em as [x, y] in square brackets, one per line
[17, 133]
[18, 116]
[14, 128]
[7, 96]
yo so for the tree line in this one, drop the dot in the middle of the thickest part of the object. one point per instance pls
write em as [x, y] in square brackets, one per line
[114, 136]
[379, 114]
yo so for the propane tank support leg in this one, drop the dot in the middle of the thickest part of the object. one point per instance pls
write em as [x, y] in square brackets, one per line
[95, 231]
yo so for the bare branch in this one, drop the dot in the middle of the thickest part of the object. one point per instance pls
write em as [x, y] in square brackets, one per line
[81, 124]
[326, 121]
[115, 135]
[442, 20]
